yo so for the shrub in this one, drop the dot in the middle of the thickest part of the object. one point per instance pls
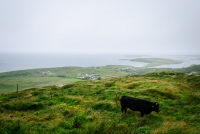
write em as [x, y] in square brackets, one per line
[194, 98]
[50, 103]
[65, 124]
[9, 106]
[67, 113]
[67, 86]
[100, 91]
[14, 95]
[35, 93]
[11, 128]
[109, 84]
[71, 101]
[103, 106]
[41, 98]
[24, 106]
[77, 122]
[133, 86]
[143, 130]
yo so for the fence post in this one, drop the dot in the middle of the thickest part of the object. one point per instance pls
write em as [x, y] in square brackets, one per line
[51, 93]
[17, 88]
[62, 91]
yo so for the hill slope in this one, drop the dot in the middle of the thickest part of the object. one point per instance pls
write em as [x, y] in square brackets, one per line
[38, 78]
[90, 106]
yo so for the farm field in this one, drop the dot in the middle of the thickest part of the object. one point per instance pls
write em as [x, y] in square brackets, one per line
[37, 78]
[93, 106]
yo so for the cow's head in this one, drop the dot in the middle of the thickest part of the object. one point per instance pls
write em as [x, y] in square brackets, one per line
[155, 107]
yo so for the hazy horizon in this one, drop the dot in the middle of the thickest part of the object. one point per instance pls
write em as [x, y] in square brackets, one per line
[99, 53]
[21, 61]
[99, 26]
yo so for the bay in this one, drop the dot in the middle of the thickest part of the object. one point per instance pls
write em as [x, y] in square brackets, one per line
[23, 61]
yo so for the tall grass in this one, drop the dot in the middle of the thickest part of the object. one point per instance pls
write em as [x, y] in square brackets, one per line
[90, 106]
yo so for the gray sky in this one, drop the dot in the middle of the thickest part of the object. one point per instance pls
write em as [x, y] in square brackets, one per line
[109, 26]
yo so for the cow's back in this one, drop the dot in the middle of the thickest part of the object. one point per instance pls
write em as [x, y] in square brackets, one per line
[135, 104]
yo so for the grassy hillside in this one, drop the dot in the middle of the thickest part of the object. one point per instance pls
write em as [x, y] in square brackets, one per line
[53, 76]
[90, 106]
[38, 78]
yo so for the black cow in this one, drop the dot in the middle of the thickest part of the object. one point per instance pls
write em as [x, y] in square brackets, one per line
[135, 104]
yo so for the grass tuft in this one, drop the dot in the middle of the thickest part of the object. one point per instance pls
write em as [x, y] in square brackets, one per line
[159, 94]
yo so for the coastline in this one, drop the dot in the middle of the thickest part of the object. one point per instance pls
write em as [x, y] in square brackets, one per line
[15, 62]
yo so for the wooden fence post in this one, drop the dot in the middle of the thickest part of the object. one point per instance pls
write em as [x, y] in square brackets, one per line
[51, 93]
[17, 88]
[62, 91]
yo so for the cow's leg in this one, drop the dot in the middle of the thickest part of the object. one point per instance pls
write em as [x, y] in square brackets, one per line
[122, 109]
[142, 114]
[125, 109]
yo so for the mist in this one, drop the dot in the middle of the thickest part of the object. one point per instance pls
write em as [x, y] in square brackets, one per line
[100, 26]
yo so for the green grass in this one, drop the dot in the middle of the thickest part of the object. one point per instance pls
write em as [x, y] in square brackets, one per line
[38, 78]
[55, 76]
[90, 106]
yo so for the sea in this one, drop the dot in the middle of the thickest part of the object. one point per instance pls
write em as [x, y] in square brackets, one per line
[23, 61]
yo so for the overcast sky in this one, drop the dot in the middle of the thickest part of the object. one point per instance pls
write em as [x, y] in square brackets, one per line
[108, 26]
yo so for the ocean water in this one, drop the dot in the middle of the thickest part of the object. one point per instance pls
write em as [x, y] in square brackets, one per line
[22, 61]
[13, 62]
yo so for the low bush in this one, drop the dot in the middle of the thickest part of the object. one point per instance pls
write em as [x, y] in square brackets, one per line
[78, 121]
[11, 128]
[9, 106]
[109, 84]
[133, 86]
[24, 106]
[104, 106]
[42, 98]
[67, 86]
[194, 98]
[65, 125]
[35, 93]
[30, 106]
[72, 101]
[14, 95]
[68, 114]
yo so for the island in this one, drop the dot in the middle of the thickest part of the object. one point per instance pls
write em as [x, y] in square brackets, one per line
[152, 62]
